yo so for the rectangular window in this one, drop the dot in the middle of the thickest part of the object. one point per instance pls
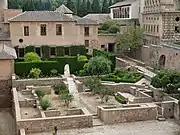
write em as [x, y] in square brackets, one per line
[43, 30]
[86, 43]
[53, 51]
[86, 31]
[58, 29]
[38, 50]
[21, 52]
[26, 30]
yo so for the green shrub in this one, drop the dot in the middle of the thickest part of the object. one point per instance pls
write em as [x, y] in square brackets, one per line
[82, 58]
[44, 103]
[29, 49]
[110, 56]
[31, 57]
[35, 72]
[114, 29]
[60, 51]
[40, 93]
[120, 99]
[54, 72]
[45, 52]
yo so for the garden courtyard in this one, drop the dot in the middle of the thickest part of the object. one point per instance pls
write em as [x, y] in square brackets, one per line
[94, 96]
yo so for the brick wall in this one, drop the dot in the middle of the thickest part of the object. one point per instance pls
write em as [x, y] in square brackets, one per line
[5, 94]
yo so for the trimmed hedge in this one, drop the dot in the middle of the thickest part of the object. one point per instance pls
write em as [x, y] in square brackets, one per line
[23, 68]
[75, 50]
[122, 76]
[29, 49]
[45, 52]
[110, 56]
[60, 51]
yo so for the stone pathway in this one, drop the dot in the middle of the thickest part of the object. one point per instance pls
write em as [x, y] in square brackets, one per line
[73, 90]
[168, 127]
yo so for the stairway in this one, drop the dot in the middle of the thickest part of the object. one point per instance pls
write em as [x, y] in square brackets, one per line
[160, 118]
[97, 121]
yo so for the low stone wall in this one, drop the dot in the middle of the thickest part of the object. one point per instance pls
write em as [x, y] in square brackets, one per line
[48, 124]
[128, 113]
[21, 84]
[121, 63]
[122, 87]
[75, 112]
[52, 113]
[79, 85]
[27, 103]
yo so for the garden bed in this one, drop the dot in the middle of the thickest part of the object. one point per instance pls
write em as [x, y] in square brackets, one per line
[123, 76]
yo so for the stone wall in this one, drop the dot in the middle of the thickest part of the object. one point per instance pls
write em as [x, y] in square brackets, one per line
[27, 103]
[128, 113]
[48, 124]
[21, 84]
[5, 94]
[52, 113]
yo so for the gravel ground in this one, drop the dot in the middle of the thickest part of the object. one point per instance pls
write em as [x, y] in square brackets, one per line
[167, 127]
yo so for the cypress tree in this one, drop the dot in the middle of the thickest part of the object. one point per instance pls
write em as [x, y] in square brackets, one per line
[96, 6]
[105, 7]
[110, 3]
[78, 3]
[89, 8]
[70, 4]
[83, 9]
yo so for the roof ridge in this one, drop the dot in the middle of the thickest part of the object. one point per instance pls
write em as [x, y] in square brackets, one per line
[16, 16]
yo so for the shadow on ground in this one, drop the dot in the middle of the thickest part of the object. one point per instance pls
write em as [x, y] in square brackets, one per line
[7, 123]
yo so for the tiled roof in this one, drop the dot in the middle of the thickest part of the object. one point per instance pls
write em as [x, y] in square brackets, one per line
[123, 3]
[41, 16]
[100, 18]
[86, 21]
[63, 9]
[7, 52]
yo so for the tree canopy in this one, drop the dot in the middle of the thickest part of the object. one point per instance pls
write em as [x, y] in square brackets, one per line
[79, 7]
[130, 38]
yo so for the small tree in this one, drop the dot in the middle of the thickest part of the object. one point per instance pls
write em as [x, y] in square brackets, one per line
[31, 57]
[40, 93]
[67, 98]
[103, 92]
[130, 38]
[44, 103]
[98, 66]
[35, 72]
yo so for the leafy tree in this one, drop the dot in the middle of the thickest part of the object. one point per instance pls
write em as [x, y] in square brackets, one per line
[98, 66]
[105, 6]
[114, 29]
[67, 98]
[131, 38]
[96, 6]
[32, 57]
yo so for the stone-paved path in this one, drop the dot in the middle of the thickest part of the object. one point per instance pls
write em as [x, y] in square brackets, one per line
[136, 128]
